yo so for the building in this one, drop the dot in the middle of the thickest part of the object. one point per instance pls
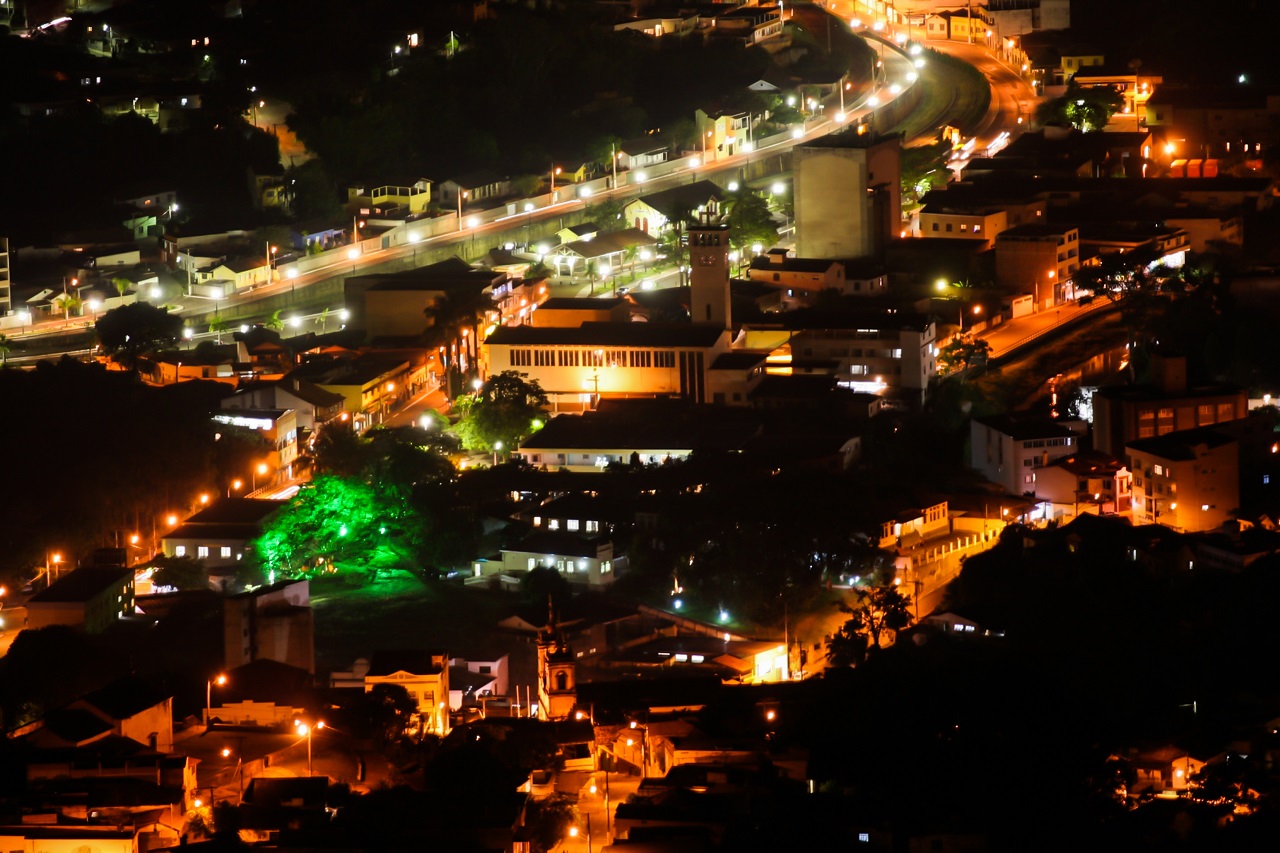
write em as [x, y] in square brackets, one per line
[406, 196]
[272, 622]
[667, 25]
[261, 693]
[961, 221]
[1124, 413]
[472, 187]
[219, 536]
[133, 708]
[1134, 85]
[568, 312]
[401, 304]
[6, 296]
[868, 351]
[848, 198]
[1039, 259]
[1188, 480]
[424, 675]
[92, 598]
[582, 559]
[1085, 482]
[311, 404]
[709, 299]
[1013, 18]
[751, 25]
[369, 385]
[279, 429]
[1214, 121]
[578, 366]
[1010, 449]
[656, 212]
[557, 673]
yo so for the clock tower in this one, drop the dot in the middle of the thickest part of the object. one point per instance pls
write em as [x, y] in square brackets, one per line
[709, 272]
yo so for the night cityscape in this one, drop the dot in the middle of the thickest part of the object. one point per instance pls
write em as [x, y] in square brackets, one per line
[639, 425]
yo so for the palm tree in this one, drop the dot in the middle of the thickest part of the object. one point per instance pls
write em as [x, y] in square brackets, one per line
[217, 325]
[121, 285]
[323, 320]
[275, 322]
[629, 256]
[5, 345]
[68, 302]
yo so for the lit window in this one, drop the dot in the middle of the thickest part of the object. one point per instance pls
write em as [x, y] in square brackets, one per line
[224, 552]
[571, 524]
[202, 551]
[537, 521]
[553, 524]
[180, 551]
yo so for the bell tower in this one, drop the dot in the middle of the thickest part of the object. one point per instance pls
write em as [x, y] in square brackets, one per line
[557, 671]
[709, 272]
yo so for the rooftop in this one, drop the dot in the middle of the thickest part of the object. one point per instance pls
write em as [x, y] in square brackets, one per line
[82, 585]
[1180, 446]
[126, 697]
[1022, 427]
[663, 335]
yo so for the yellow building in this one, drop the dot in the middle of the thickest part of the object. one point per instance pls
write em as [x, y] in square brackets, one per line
[425, 677]
[411, 196]
[1188, 480]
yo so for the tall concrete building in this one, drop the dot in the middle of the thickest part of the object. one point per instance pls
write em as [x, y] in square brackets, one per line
[6, 297]
[847, 195]
[709, 275]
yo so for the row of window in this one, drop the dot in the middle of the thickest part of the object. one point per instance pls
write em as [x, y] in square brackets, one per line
[592, 358]
[1047, 442]
[570, 524]
[964, 227]
[202, 551]
[569, 566]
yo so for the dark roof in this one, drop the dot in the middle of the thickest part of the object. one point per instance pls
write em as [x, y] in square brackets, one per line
[611, 334]
[265, 680]
[466, 681]
[633, 425]
[235, 511]
[609, 244]
[275, 792]
[580, 303]
[1021, 427]
[75, 725]
[582, 228]
[1088, 462]
[768, 262]
[82, 584]
[738, 360]
[679, 201]
[310, 392]
[478, 178]
[557, 542]
[1035, 230]
[794, 386]
[1180, 446]
[416, 661]
[126, 697]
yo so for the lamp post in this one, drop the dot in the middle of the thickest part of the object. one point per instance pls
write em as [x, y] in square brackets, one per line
[497, 448]
[220, 679]
[555, 171]
[306, 731]
[259, 470]
[353, 253]
[462, 196]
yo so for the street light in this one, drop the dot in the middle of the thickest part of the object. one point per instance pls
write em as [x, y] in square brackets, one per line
[554, 172]
[353, 254]
[259, 470]
[220, 679]
[497, 448]
[462, 196]
[306, 731]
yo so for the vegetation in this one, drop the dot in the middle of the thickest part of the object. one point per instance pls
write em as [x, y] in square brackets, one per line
[506, 409]
[879, 614]
[1085, 109]
[130, 332]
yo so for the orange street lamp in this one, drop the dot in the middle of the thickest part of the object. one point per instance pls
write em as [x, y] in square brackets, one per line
[307, 731]
[220, 679]
[554, 172]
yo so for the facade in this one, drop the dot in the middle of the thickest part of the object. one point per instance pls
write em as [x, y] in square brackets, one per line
[1040, 259]
[473, 187]
[847, 195]
[958, 223]
[1124, 413]
[92, 598]
[578, 366]
[311, 404]
[272, 622]
[368, 385]
[6, 296]
[750, 24]
[709, 300]
[722, 134]
[219, 535]
[1188, 480]
[1222, 121]
[1010, 450]
[412, 197]
[802, 279]
[279, 427]
[1134, 86]
[424, 675]
[672, 25]
[1085, 482]
[134, 709]
[588, 560]
[655, 213]
[557, 674]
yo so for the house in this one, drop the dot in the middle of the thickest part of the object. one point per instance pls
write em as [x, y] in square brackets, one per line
[261, 693]
[272, 622]
[801, 279]
[964, 24]
[1134, 85]
[279, 428]
[472, 187]
[751, 25]
[1039, 259]
[219, 535]
[848, 195]
[580, 559]
[667, 25]
[1087, 482]
[722, 132]
[369, 384]
[569, 312]
[607, 253]
[399, 304]
[133, 708]
[648, 150]
[311, 404]
[411, 196]
[1009, 449]
[657, 212]
[233, 274]
[423, 674]
[1188, 480]
[581, 231]
[1123, 413]
[91, 598]
[1214, 121]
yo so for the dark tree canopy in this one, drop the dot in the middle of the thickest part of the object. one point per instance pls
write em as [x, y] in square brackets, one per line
[132, 331]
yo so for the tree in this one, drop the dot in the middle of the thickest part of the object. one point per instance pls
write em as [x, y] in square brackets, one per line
[275, 322]
[750, 221]
[121, 284]
[130, 332]
[1086, 109]
[549, 821]
[68, 302]
[504, 410]
[218, 325]
[6, 344]
[963, 352]
[182, 573]
[880, 613]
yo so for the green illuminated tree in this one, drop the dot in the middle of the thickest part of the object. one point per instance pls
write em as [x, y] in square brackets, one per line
[1085, 109]
[504, 410]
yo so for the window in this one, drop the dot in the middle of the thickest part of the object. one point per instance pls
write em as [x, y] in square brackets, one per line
[180, 551]
[521, 358]
[1226, 412]
[606, 567]
[533, 563]
[977, 228]
[553, 524]
[949, 228]
[202, 551]
[571, 524]
[935, 226]
[592, 526]
[664, 359]
[1158, 469]
[641, 358]
[537, 519]
[225, 552]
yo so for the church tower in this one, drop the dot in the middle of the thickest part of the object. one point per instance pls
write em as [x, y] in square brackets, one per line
[557, 671]
[709, 272]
